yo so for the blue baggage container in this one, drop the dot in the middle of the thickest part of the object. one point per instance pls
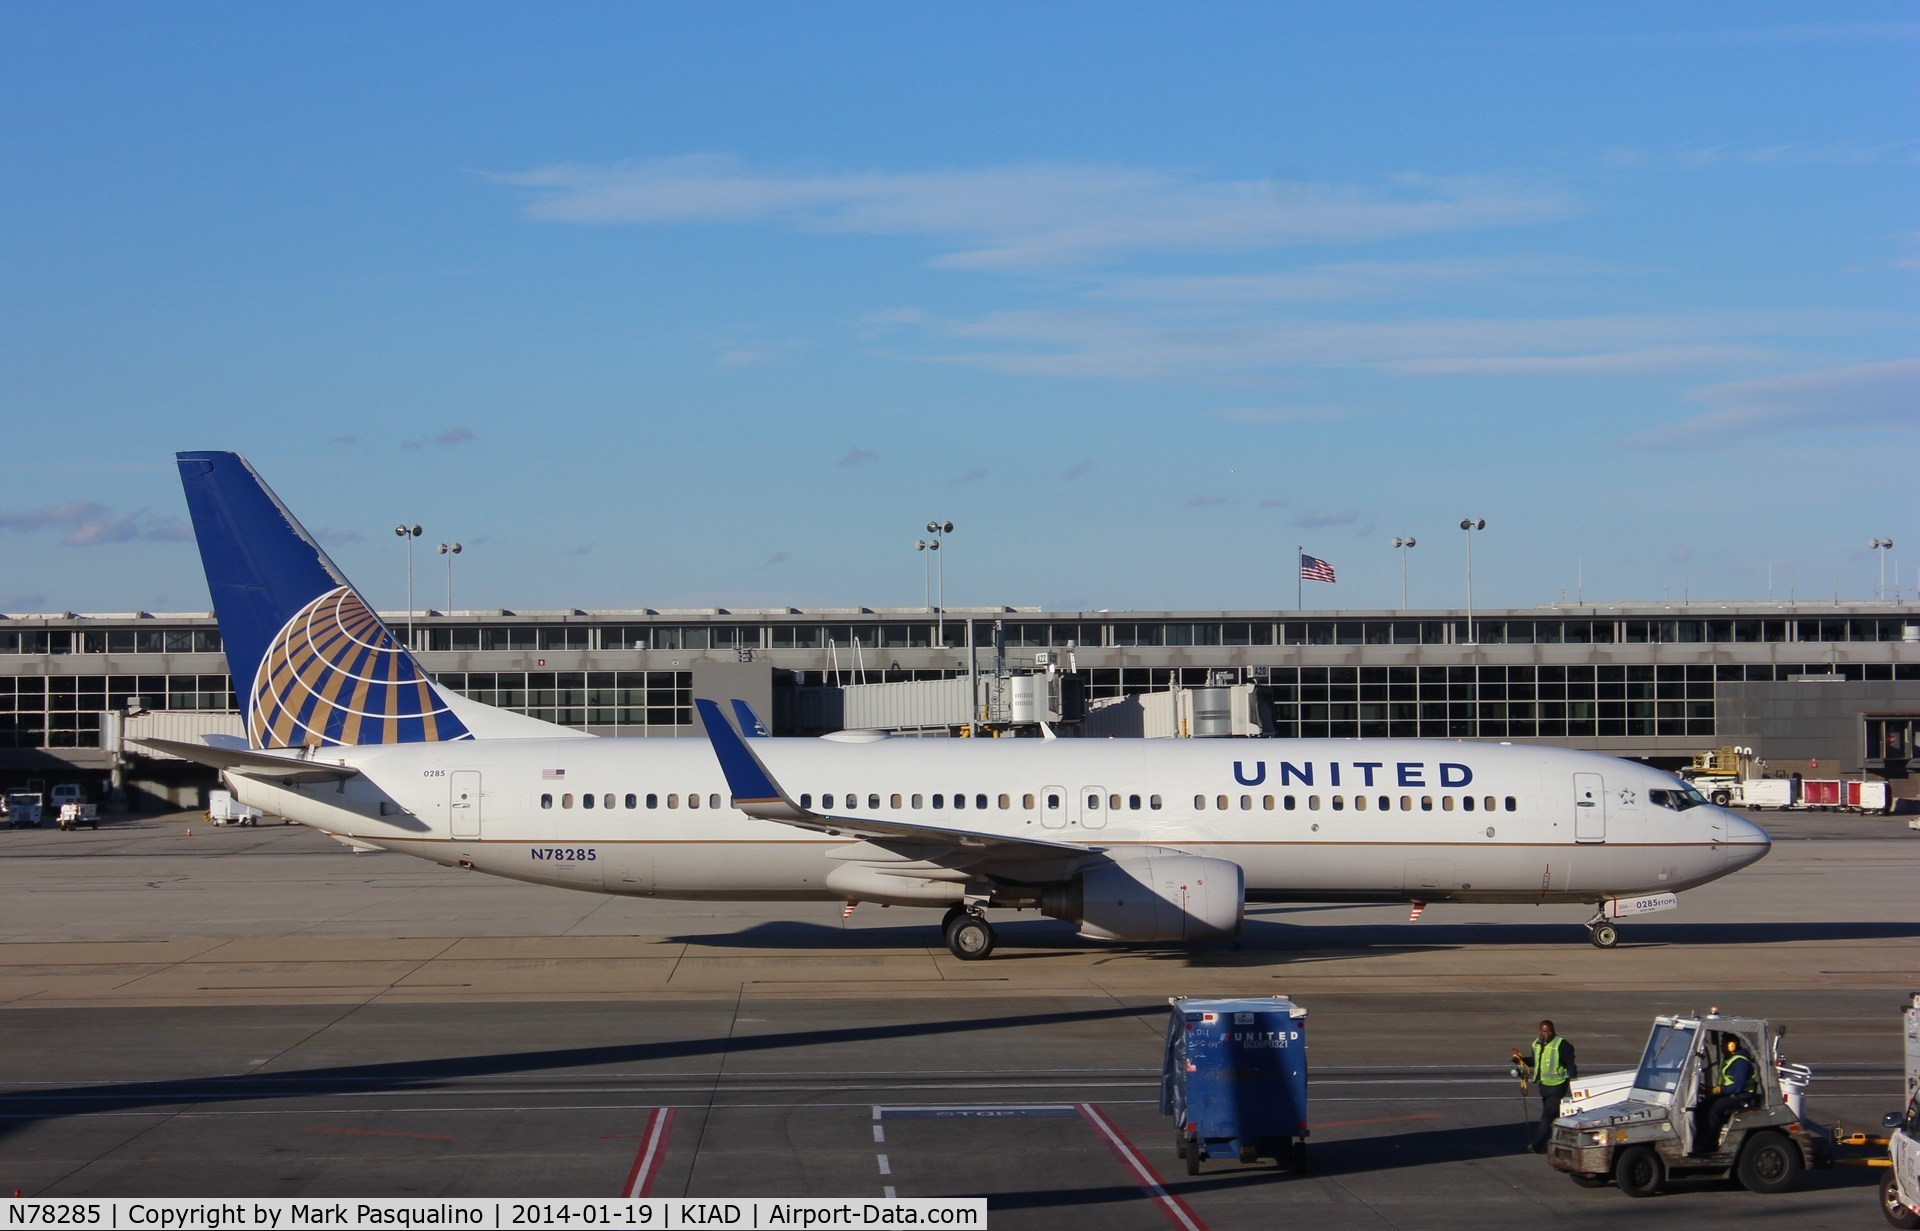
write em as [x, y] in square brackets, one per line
[1234, 1079]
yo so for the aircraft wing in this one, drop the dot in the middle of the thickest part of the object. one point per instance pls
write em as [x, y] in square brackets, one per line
[249, 763]
[757, 794]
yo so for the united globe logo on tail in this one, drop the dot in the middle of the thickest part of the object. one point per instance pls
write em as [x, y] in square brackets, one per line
[335, 675]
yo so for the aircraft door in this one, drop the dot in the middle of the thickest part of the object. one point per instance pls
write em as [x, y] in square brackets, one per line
[1093, 810]
[463, 802]
[1053, 807]
[1589, 808]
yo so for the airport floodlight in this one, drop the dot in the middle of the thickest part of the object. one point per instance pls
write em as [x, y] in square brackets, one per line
[1470, 524]
[409, 533]
[449, 550]
[927, 545]
[1403, 544]
[1882, 546]
[939, 529]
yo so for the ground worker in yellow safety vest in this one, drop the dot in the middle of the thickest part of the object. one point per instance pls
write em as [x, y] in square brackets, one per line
[1551, 1068]
[1735, 1084]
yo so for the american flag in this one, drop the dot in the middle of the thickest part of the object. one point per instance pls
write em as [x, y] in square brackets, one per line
[553, 773]
[1313, 568]
[1419, 908]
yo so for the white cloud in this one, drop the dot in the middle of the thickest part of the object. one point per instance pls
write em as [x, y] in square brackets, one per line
[1348, 281]
[1872, 397]
[87, 523]
[1034, 216]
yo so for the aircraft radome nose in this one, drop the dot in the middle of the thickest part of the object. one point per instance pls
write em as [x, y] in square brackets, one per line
[1746, 842]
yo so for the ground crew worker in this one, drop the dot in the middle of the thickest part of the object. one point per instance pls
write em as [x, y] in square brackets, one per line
[1735, 1084]
[1552, 1068]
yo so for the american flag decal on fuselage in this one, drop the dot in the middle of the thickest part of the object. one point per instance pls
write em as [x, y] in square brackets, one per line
[335, 675]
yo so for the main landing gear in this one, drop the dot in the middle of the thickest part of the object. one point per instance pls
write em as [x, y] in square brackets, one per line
[969, 935]
[1602, 933]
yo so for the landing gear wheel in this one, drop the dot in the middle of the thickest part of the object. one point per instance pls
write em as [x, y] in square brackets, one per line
[1587, 1181]
[1639, 1172]
[1895, 1209]
[969, 937]
[1769, 1164]
[953, 912]
[1603, 935]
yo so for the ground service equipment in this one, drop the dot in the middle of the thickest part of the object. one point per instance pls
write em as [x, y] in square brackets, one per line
[1660, 1129]
[1900, 1190]
[1234, 1079]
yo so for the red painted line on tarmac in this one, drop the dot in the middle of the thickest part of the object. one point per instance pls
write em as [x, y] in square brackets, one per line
[653, 1148]
[1173, 1208]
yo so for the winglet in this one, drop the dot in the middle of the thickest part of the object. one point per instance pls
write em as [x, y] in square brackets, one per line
[750, 725]
[753, 788]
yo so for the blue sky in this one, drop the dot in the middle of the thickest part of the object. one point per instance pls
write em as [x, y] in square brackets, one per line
[684, 306]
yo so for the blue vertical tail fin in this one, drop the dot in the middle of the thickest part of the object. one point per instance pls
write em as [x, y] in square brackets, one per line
[311, 662]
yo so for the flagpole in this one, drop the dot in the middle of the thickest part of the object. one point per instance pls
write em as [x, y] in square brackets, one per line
[1299, 578]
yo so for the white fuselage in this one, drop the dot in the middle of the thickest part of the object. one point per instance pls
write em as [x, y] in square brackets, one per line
[1351, 820]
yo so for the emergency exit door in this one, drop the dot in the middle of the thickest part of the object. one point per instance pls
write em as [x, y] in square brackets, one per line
[463, 802]
[1589, 808]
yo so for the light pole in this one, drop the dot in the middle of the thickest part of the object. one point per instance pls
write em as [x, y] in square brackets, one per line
[409, 533]
[939, 530]
[926, 545]
[1883, 546]
[1470, 525]
[1403, 544]
[449, 550]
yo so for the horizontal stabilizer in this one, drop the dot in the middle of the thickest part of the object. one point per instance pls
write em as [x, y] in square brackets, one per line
[249, 764]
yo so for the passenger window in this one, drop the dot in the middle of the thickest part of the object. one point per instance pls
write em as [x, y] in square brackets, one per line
[1406, 803]
[546, 801]
[1513, 805]
[939, 801]
[1199, 803]
[1006, 801]
[1289, 803]
[1466, 803]
[919, 801]
[806, 800]
[586, 801]
[1113, 801]
[1488, 803]
[1220, 802]
[693, 800]
[1446, 803]
[893, 801]
[1359, 803]
[566, 801]
[1053, 801]
[980, 801]
[1313, 803]
[632, 801]
[606, 801]
[1426, 803]
[1133, 802]
[1093, 803]
[1026, 801]
[826, 802]
[959, 800]
[1339, 803]
[1266, 803]
[673, 801]
[653, 801]
[1153, 803]
[713, 800]
[873, 802]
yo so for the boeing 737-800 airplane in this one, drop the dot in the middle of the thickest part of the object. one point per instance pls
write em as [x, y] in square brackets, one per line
[1143, 841]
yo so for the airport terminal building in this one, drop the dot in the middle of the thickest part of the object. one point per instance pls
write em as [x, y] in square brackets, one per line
[1826, 689]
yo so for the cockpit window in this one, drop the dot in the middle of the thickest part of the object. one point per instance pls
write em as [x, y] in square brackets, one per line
[1678, 798]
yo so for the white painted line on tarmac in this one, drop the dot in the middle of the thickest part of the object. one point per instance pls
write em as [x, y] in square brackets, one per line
[1173, 1208]
[653, 1148]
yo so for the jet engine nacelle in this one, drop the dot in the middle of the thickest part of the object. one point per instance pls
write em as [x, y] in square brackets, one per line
[1153, 898]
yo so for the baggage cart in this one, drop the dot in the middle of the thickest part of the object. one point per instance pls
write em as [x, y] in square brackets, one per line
[1234, 1079]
